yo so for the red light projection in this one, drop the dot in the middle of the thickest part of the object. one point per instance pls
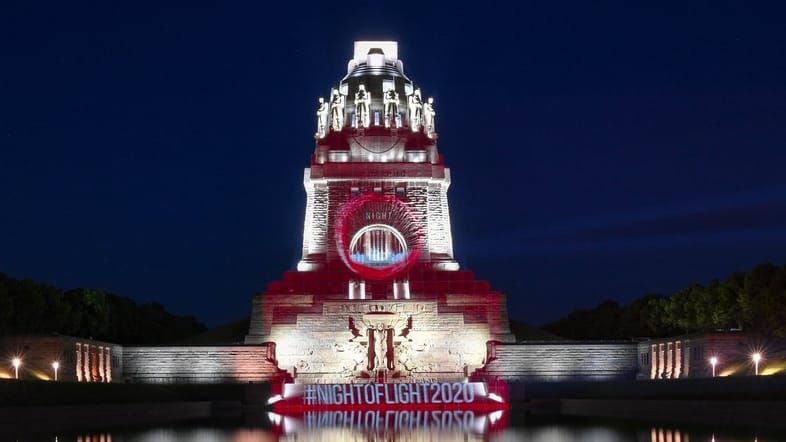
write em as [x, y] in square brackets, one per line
[480, 396]
[376, 236]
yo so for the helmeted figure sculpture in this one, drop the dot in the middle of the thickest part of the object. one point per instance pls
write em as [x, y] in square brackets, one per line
[415, 104]
[322, 118]
[362, 107]
[336, 110]
[381, 351]
[428, 117]
[392, 117]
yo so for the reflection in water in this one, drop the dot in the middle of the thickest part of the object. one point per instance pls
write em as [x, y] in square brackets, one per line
[668, 435]
[658, 434]
[183, 435]
[553, 433]
[373, 426]
[388, 425]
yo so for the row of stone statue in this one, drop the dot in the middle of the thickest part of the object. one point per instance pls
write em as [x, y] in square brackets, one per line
[421, 114]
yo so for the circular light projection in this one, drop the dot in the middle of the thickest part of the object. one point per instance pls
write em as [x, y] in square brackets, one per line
[376, 236]
[378, 245]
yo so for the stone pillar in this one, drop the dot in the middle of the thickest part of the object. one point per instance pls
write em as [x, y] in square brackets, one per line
[686, 359]
[101, 376]
[661, 364]
[654, 361]
[94, 364]
[108, 364]
[669, 360]
[79, 377]
[677, 360]
[86, 365]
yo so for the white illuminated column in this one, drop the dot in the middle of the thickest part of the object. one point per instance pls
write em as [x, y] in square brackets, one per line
[55, 366]
[756, 358]
[16, 362]
[713, 362]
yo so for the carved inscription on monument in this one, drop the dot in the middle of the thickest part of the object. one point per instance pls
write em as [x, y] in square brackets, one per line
[336, 308]
[379, 216]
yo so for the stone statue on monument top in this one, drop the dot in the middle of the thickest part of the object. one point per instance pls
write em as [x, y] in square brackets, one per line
[362, 107]
[415, 104]
[322, 118]
[391, 108]
[336, 110]
[428, 117]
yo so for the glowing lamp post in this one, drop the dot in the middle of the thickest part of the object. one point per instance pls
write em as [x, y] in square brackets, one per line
[756, 358]
[16, 362]
[55, 366]
[713, 362]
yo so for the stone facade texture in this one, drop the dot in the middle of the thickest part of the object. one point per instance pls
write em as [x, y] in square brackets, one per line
[690, 356]
[199, 364]
[561, 361]
[79, 360]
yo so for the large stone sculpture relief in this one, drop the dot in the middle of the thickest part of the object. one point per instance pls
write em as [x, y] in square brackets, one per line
[390, 341]
[351, 357]
[384, 335]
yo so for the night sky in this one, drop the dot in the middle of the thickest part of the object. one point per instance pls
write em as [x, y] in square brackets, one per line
[157, 150]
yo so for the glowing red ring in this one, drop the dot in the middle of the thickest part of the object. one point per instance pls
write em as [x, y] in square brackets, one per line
[344, 232]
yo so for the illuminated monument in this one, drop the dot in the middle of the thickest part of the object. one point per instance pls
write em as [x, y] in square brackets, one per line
[378, 294]
[378, 313]
[377, 298]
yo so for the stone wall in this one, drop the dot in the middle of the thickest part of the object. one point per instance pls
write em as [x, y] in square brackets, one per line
[528, 361]
[691, 355]
[561, 361]
[79, 360]
[199, 365]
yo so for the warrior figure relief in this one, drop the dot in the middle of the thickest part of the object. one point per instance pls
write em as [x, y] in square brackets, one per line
[415, 104]
[428, 117]
[382, 349]
[336, 110]
[362, 107]
[381, 340]
[392, 117]
[322, 118]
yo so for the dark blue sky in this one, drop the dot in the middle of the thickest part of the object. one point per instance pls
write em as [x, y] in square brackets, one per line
[597, 152]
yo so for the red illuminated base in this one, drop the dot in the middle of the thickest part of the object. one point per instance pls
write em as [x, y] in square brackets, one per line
[303, 293]
[438, 330]
[478, 396]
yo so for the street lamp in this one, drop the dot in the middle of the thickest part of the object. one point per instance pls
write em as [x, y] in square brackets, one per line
[17, 362]
[756, 358]
[713, 362]
[55, 366]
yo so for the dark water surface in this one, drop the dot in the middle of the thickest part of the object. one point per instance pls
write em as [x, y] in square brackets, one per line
[371, 426]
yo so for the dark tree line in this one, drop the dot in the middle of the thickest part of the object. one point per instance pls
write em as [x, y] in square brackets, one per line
[753, 301]
[27, 307]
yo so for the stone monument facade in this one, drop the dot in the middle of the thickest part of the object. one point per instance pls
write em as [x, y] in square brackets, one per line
[378, 294]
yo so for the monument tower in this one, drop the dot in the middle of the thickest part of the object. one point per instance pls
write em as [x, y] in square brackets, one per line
[378, 295]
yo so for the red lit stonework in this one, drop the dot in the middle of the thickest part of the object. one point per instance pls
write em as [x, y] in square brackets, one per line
[377, 236]
[378, 296]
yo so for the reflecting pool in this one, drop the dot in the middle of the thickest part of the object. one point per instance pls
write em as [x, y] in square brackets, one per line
[403, 426]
